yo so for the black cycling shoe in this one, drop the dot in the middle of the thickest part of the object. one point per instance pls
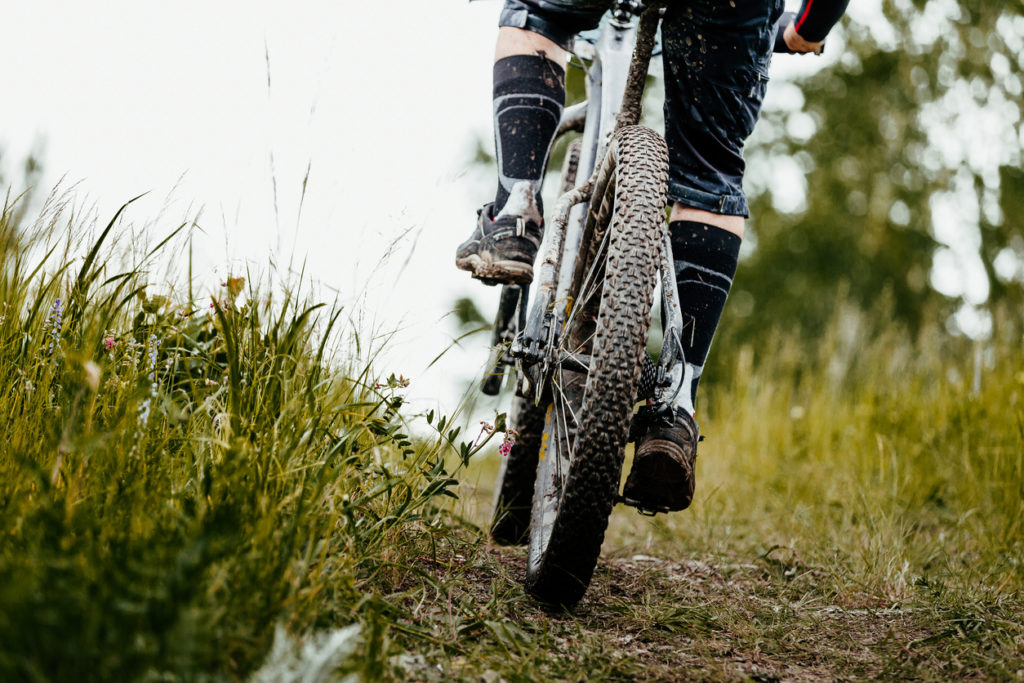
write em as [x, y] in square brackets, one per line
[501, 250]
[662, 477]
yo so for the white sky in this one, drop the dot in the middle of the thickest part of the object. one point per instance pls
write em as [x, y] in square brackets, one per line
[383, 105]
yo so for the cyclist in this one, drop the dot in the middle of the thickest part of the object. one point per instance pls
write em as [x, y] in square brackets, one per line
[716, 57]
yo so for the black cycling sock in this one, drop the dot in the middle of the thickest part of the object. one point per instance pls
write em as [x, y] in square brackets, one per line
[529, 94]
[705, 258]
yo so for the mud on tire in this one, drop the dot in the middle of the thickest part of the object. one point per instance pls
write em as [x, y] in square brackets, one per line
[587, 422]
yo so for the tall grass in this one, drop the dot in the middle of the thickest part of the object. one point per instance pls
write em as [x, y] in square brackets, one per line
[903, 456]
[867, 473]
[179, 477]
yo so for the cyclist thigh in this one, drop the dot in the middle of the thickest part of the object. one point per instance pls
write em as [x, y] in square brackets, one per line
[716, 69]
[557, 20]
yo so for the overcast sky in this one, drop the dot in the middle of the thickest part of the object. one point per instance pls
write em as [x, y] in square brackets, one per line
[222, 107]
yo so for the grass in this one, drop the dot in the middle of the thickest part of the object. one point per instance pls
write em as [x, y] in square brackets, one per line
[181, 477]
[225, 487]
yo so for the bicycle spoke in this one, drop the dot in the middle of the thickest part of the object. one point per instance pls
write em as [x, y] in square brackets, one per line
[592, 284]
[564, 430]
[568, 404]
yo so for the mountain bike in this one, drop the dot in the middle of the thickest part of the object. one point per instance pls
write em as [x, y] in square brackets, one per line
[578, 349]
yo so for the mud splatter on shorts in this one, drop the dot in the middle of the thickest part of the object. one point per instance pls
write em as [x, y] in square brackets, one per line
[717, 54]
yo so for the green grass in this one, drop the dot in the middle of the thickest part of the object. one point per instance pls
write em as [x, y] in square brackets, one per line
[179, 477]
[230, 491]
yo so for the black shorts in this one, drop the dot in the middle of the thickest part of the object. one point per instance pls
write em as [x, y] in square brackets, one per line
[716, 58]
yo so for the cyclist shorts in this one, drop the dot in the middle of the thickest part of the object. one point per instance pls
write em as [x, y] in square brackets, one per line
[716, 57]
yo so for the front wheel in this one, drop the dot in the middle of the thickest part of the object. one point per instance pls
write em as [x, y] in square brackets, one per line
[594, 372]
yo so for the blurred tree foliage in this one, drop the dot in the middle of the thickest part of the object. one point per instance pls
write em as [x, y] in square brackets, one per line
[920, 114]
[914, 126]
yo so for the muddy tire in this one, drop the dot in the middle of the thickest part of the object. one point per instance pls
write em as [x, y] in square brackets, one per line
[514, 489]
[587, 420]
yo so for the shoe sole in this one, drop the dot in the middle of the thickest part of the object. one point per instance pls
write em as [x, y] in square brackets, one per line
[496, 272]
[658, 477]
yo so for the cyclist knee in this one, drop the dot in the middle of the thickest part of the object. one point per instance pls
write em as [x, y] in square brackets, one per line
[734, 224]
[518, 41]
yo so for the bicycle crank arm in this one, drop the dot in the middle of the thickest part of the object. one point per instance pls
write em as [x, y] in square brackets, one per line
[672, 361]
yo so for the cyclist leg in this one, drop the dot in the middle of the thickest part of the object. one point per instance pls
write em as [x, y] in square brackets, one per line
[716, 69]
[529, 93]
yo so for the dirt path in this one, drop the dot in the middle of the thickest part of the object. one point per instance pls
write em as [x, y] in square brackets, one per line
[648, 618]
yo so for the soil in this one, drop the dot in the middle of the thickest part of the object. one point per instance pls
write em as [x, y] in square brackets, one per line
[698, 620]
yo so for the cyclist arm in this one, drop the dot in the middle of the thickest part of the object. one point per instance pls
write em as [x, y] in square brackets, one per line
[810, 25]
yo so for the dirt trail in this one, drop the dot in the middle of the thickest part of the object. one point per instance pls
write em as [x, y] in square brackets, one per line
[694, 620]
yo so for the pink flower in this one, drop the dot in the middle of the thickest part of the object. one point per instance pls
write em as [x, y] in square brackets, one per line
[508, 442]
[109, 343]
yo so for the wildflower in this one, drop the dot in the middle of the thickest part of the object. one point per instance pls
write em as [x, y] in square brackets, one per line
[392, 382]
[109, 343]
[508, 442]
[144, 407]
[485, 428]
[154, 344]
[144, 411]
[55, 320]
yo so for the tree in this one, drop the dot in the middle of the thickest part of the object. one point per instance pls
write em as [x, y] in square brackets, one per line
[914, 155]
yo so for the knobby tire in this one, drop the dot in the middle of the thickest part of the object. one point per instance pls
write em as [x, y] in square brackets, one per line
[587, 421]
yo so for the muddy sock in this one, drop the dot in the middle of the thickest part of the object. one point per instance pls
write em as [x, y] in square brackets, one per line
[529, 94]
[705, 258]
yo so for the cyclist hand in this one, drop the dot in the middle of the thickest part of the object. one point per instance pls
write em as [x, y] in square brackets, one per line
[797, 44]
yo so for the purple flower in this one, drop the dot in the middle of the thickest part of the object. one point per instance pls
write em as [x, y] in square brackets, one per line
[55, 320]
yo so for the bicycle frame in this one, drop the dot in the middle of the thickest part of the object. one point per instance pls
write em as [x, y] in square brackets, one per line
[618, 65]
